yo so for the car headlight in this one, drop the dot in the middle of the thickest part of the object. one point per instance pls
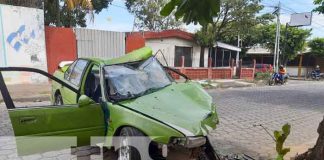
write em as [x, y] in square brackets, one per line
[190, 142]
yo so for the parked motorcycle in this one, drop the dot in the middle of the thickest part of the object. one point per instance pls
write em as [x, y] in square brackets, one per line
[276, 80]
[314, 75]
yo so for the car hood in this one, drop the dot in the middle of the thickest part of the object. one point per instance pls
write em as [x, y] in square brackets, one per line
[186, 107]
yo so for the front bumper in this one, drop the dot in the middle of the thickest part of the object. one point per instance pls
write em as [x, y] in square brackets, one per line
[189, 142]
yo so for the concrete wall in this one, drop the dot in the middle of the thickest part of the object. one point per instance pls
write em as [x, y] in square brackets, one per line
[293, 70]
[167, 46]
[22, 41]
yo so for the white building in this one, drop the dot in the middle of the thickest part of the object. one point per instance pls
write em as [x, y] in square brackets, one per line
[176, 43]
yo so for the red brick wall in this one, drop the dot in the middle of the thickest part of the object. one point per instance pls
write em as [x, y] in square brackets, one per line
[222, 73]
[196, 73]
[203, 73]
[247, 73]
[60, 46]
[134, 41]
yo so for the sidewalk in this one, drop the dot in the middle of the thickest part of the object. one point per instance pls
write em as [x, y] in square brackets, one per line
[225, 83]
[29, 92]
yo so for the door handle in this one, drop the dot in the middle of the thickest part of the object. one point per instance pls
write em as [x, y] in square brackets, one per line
[27, 120]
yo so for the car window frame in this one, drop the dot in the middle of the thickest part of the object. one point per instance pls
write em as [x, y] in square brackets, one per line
[66, 74]
[82, 74]
[85, 75]
[5, 92]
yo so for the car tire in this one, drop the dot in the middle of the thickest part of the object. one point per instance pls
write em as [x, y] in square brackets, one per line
[126, 152]
[58, 101]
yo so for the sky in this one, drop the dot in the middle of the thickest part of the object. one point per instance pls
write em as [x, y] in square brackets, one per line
[117, 18]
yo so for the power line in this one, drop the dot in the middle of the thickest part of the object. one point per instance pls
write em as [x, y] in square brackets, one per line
[119, 6]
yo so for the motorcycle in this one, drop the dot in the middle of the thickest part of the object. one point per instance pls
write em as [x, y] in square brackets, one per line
[276, 80]
[315, 75]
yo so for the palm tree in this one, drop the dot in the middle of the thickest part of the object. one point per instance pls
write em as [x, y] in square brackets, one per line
[70, 9]
[84, 4]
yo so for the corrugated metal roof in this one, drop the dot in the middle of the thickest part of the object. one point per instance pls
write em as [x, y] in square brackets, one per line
[99, 43]
[227, 46]
[258, 50]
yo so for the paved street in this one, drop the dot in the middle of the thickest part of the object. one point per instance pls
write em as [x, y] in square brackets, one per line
[300, 103]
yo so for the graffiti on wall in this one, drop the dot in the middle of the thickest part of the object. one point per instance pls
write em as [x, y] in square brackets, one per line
[22, 37]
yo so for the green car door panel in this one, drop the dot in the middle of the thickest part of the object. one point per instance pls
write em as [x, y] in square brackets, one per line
[65, 120]
[69, 97]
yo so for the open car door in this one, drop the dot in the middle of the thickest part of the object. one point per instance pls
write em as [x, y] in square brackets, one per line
[36, 117]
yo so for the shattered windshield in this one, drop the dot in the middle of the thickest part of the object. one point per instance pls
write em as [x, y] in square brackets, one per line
[124, 81]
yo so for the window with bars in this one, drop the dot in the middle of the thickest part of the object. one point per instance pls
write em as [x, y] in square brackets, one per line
[183, 51]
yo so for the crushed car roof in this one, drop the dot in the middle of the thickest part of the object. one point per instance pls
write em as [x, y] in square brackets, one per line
[137, 55]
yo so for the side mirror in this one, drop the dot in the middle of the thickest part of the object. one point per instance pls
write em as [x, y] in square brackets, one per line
[85, 101]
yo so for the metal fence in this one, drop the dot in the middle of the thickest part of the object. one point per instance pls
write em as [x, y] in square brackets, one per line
[98, 43]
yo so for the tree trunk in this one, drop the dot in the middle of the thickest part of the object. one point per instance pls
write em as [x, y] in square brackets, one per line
[58, 14]
[317, 152]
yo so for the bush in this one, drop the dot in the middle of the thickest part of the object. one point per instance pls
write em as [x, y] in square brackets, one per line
[262, 75]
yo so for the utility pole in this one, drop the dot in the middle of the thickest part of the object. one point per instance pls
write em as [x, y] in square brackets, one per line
[277, 41]
[237, 59]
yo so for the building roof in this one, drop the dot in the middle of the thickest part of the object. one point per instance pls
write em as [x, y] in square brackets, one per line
[175, 33]
[258, 50]
[227, 46]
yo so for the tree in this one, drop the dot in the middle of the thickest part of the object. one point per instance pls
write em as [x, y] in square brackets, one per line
[317, 152]
[290, 44]
[237, 18]
[192, 11]
[147, 13]
[71, 13]
[320, 7]
[317, 46]
[205, 38]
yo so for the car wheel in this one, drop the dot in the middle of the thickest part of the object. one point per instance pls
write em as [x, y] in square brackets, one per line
[126, 151]
[58, 100]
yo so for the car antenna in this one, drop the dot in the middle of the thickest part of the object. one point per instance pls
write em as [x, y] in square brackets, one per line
[160, 51]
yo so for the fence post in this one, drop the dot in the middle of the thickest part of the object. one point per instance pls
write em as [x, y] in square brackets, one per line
[254, 64]
[210, 61]
[240, 65]
[210, 70]
[232, 68]
[182, 67]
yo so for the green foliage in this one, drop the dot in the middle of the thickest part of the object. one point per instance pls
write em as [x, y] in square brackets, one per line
[206, 36]
[280, 137]
[317, 46]
[192, 11]
[239, 17]
[289, 46]
[262, 76]
[320, 7]
[71, 13]
[236, 17]
[147, 13]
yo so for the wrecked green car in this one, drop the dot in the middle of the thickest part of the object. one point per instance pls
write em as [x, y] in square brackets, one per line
[131, 96]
